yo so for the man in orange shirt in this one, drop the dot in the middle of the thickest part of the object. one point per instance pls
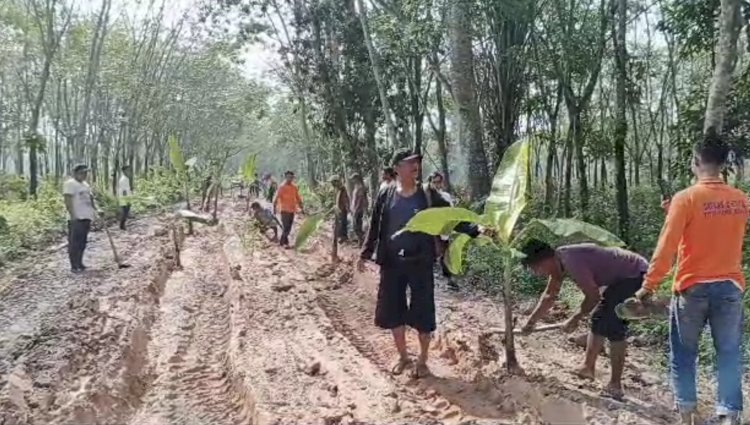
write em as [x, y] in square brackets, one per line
[287, 202]
[704, 228]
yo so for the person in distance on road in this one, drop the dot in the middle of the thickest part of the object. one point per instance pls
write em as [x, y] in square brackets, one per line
[405, 260]
[704, 229]
[79, 201]
[607, 277]
[124, 193]
[359, 206]
[266, 220]
[342, 209]
[287, 202]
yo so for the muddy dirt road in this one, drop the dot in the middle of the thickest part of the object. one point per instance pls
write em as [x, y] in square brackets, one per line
[248, 333]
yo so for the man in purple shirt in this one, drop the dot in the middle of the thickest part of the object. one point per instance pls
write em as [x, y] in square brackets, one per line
[607, 277]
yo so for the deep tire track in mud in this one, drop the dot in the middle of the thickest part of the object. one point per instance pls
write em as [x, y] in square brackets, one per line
[196, 382]
[79, 352]
[248, 333]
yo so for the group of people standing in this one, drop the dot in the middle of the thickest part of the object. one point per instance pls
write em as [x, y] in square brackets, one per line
[82, 211]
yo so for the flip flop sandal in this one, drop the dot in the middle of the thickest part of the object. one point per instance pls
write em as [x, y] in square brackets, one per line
[400, 366]
[420, 371]
[614, 395]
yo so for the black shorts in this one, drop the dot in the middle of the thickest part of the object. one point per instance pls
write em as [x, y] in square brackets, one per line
[604, 320]
[392, 309]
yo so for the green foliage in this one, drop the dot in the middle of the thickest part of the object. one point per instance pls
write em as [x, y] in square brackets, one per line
[565, 231]
[441, 221]
[175, 155]
[509, 189]
[30, 224]
[454, 258]
[249, 168]
[13, 187]
[308, 228]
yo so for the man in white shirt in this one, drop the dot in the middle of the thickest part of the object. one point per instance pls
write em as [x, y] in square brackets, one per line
[79, 201]
[123, 195]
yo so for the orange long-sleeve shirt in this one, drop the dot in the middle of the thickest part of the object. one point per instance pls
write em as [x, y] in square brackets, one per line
[288, 199]
[705, 226]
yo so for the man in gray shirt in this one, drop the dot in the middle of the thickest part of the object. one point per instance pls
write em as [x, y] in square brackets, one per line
[607, 277]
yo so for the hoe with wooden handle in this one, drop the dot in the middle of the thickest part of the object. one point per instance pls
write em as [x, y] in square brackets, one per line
[120, 263]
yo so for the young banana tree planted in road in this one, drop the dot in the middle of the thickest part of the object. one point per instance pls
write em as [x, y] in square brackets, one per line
[182, 168]
[503, 207]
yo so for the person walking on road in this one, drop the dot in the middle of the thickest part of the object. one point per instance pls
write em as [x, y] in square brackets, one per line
[342, 210]
[124, 193]
[287, 202]
[607, 277]
[359, 207]
[405, 260]
[704, 228]
[79, 201]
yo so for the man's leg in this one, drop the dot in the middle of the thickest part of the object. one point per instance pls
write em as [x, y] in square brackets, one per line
[344, 227]
[72, 245]
[421, 313]
[124, 211]
[85, 227]
[689, 312]
[286, 227]
[390, 311]
[594, 344]
[725, 316]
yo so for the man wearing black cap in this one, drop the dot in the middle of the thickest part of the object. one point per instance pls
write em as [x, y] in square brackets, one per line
[405, 260]
[79, 201]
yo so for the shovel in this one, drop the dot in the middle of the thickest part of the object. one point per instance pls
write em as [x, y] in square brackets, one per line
[120, 263]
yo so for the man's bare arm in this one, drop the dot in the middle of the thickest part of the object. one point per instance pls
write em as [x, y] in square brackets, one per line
[547, 300]
[69, 205]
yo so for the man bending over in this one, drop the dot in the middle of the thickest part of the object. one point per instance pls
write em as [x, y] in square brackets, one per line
[607, 277]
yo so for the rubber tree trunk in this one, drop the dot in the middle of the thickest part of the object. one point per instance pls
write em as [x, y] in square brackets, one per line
[374, 60]
[621, 128]
[464, 94]
[730, 22]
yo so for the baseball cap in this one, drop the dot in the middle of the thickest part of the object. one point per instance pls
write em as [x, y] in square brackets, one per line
[404, 155]
[80, 167]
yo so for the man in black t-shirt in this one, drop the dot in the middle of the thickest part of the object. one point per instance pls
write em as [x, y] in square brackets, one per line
[405, 260]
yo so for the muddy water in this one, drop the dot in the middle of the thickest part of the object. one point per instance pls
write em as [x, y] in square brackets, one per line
[248, 333]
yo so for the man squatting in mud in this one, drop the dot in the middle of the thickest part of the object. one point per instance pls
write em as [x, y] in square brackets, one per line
[607, 277]
[405, 260]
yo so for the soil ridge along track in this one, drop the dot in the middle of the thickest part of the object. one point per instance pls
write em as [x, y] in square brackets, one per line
[249, 333]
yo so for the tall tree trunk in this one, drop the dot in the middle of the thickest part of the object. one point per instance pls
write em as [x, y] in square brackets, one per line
[464, 93]
[33, 139]
[621, 129]
[374, 60]
[441, 132]
[730, 22]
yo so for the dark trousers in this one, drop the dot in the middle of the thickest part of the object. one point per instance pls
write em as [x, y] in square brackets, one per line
[359, 217]
[124, 213]
[78, 233]
[342, 227]
[287, 219]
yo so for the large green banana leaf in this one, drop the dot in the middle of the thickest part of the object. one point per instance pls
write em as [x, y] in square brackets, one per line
[509, 187]
[569, 230]
[248, 169]
[454, 258]
[308, 229]
[175, 155]
[440, 221]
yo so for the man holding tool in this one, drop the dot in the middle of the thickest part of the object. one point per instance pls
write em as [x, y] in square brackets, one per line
[704, 229]
[79, 201]
[607, 277]
[287, 201]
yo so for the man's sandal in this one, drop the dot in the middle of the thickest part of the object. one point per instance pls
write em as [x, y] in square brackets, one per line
[420, 370]
[400, 366]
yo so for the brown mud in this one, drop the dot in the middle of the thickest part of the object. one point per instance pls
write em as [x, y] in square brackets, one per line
[248, 333]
